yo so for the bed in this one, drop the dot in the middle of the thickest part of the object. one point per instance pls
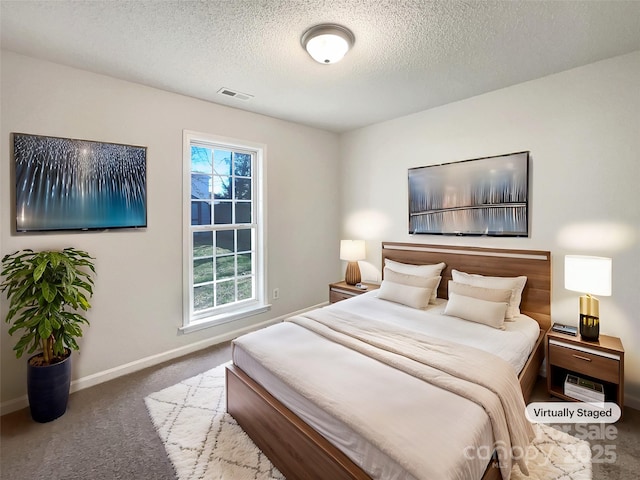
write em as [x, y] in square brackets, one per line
[313, 443]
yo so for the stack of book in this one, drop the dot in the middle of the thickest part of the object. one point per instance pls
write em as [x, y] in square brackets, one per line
[582, 389]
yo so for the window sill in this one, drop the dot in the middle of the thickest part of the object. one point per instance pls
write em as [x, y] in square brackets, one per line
[221, 319]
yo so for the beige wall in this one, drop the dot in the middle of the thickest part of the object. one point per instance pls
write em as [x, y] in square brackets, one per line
[137, 306]
[583, 130]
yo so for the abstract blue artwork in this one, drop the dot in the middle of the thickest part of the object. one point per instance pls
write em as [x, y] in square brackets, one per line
[67, 184]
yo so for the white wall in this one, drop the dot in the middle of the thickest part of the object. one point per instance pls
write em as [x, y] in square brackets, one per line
[583, 130]
[137, 306]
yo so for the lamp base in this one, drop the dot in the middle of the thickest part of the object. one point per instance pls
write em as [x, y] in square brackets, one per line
[352, 275]
[589, 318]
[589, 328]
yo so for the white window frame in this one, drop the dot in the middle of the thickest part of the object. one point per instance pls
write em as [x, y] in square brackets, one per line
[228, 313]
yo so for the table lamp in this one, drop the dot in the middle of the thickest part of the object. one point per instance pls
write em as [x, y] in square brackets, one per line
[352, 251]
[591, 276]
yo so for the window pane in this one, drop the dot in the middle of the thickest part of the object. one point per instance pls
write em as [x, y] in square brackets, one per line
[202, 244]
[222, 187]
[244, 240]
[225, 293]
[200, 186]
[200, 213]
[222, 162]
[245, 289]
[243, 212]
[224, 261]
[242, 165]
[200, 160]
[244, 264]
[224, 242]
[203, 297]
[243, 189]
[222, 213]
[225, 267]
[203, 270]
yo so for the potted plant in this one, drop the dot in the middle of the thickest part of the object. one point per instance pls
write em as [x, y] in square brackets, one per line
[45, 291]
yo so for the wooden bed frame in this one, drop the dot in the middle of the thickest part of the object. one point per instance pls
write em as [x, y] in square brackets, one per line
[300, 452]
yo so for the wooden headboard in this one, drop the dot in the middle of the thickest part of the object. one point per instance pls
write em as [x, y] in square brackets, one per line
[534, 264]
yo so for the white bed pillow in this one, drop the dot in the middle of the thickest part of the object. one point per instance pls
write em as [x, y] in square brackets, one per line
[414, 281]
[515, 284]
[427, 271]
[409, 295]
[431, 270]
[502, 295]
[476, 310]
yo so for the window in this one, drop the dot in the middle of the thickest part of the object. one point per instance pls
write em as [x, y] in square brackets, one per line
[223, 231]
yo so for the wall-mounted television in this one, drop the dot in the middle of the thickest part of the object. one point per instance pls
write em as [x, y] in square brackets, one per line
[69, 184]
[482, 196]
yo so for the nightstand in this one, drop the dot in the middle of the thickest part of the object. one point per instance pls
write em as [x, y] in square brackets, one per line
[601, 361]
[342, 291]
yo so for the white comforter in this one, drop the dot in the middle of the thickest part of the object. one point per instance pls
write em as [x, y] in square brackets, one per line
[471, 373]
[513, 344]
[412, 411]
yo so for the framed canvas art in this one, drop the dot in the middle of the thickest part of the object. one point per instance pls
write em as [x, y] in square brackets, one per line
[483, 196]
[69, 184]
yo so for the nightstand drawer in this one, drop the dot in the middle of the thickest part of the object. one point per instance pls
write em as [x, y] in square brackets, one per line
[343, 291]
[336, 296]
[581, 360]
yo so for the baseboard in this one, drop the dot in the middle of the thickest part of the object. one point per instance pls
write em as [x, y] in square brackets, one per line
[131, 367]
[14, 405]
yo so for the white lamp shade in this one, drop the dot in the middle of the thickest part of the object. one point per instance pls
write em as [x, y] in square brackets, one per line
[586, 274]
[352, 250]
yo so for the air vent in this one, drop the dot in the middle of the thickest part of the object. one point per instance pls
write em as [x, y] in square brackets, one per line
[233, 94]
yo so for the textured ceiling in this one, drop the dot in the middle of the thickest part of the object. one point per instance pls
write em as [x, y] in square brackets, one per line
[408, 55]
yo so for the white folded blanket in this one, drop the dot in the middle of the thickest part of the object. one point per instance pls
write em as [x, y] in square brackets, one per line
[473, 374]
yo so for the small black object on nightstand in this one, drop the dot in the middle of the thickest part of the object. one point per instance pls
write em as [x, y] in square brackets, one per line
[566, 329]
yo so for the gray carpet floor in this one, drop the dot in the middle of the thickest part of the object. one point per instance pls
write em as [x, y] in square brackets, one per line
[107, 433]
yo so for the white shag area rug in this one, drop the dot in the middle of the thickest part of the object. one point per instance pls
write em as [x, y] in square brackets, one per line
[204, 442]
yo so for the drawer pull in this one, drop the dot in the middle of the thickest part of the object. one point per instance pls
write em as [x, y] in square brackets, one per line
[580, 357]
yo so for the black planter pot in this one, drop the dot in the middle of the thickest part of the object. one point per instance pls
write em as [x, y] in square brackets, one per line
[48, 390]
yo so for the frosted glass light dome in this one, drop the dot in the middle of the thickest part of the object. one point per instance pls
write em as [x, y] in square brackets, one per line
[327, 43]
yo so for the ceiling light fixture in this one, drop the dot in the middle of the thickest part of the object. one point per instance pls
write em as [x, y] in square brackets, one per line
[327, 42]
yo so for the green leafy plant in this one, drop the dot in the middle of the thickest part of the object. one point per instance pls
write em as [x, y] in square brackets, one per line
[45, 290]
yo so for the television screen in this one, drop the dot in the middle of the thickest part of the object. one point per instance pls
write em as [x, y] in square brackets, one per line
[483, 196]
[67, 184]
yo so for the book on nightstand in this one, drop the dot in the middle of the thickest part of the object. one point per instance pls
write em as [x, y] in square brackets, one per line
[582, 389]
